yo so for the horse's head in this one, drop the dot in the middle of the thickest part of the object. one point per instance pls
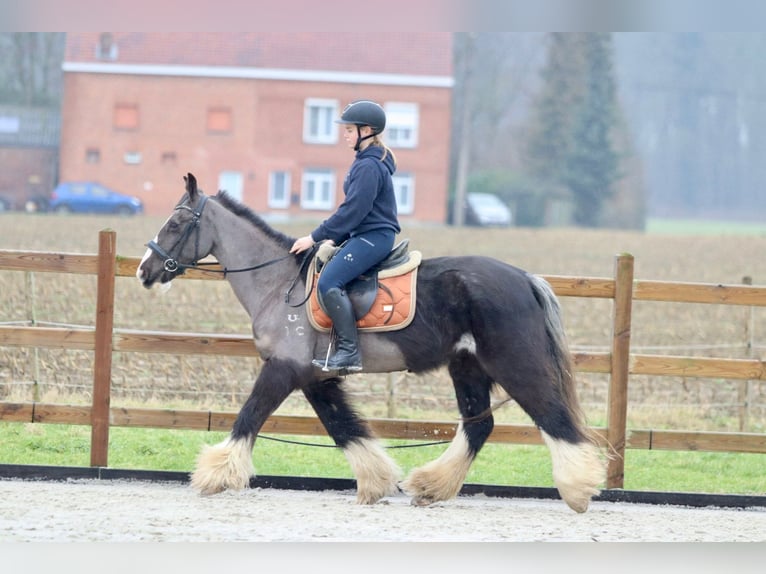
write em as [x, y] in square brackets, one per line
[180, 243]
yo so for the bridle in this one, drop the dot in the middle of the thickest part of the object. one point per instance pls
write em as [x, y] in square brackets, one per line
[172, 265]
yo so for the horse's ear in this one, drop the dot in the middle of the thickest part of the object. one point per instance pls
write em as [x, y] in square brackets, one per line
[191, 185]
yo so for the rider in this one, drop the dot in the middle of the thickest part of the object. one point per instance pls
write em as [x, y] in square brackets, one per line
[366, 221]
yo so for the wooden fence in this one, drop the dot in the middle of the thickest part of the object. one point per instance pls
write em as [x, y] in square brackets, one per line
[619, 363]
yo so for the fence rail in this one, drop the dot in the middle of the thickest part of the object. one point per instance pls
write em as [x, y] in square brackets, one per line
[619, 363]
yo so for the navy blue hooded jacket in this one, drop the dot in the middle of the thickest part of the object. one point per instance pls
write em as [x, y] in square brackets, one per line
[370, 202]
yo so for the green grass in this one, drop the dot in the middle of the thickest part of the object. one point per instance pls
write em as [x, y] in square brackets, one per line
[703, 227]
[514, 465]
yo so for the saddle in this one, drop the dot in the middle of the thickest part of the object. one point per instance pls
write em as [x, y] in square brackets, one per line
[383, 297]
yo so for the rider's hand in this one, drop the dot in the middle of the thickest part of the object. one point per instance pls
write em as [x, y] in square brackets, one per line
[301, 244]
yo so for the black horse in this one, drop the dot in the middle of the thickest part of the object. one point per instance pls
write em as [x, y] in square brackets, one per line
[490, 323]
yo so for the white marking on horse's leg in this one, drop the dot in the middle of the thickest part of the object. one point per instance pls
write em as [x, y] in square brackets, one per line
[466, 343]
[228, 464]
[442, 478]
[376, 473]
[578, 470]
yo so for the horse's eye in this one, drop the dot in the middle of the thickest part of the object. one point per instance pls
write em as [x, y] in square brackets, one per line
[172, 225]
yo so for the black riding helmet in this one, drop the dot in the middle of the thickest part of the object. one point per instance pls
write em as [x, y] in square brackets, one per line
[364, 113]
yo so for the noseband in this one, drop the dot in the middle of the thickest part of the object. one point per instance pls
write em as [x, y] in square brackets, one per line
[171, 264]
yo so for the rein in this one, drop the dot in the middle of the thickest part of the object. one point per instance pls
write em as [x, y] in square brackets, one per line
[172, 265]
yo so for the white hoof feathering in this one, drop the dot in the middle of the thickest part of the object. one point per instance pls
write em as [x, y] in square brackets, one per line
[578, 470]
[227, 465]
[376, 473]
[441, 479]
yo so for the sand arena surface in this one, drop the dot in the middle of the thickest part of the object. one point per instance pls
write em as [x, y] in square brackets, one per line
[129, 511]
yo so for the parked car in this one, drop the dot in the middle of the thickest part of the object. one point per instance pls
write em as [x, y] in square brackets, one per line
[486, 209]
[91, 197]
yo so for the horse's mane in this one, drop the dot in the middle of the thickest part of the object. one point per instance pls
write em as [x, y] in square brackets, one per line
[241, 210]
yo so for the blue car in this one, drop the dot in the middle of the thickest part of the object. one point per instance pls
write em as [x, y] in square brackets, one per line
[91, 197]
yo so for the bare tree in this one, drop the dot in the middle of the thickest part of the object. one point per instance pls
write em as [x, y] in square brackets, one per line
[30, 69]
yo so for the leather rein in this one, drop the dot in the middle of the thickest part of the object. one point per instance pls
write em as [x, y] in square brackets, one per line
[172, 265]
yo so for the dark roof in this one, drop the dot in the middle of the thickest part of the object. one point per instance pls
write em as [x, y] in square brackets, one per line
[416, 53]
[29, 127]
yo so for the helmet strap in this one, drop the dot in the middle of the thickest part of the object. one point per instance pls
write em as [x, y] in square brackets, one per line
[360, 139]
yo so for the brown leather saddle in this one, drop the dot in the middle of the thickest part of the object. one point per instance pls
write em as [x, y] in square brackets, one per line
[383, 298]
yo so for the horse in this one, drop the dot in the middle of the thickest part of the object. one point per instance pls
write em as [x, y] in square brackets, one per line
[488, 322]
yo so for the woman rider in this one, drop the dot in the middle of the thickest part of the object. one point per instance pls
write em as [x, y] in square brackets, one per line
[364, 225]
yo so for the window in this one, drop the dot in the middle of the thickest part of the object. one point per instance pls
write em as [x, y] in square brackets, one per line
[132, 157]
[319, 121]
[318, 189]
[125, 117]
[219, 120]
[404, 189]
[92, 155]
[279, 189]
[401, 124]
[169, 158]
[232, 183]
[9, 124]
[106, 48]
[98, 191]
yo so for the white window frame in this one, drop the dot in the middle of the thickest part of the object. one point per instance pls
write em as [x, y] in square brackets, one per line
[232, 182]
[404, 190]
[319, 121]
[402, 121]
[275, 201]
[322, 179]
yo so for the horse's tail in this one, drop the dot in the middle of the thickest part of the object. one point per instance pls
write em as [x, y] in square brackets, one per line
[559, 347]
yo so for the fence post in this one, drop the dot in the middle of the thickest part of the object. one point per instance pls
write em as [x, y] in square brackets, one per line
[102, 365]
[617, 409]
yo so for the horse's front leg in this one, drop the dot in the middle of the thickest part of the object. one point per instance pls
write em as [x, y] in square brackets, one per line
[376, 473]
[229, 464]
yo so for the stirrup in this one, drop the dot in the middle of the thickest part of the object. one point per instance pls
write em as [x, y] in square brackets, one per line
[325, 366]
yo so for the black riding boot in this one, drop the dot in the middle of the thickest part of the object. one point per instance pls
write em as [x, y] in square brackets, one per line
[347, 356]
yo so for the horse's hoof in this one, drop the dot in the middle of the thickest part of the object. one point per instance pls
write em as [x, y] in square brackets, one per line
[421, 501]
[366, 499]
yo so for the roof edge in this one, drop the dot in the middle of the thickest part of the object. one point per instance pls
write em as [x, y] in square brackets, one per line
[250, 73]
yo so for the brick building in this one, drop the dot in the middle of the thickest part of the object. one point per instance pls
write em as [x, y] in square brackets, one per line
[253, 113]
[29, 139]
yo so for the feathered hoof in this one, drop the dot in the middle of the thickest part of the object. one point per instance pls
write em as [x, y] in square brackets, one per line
[376, 473]
[372, 487]
[225, 466]
[578, 497]
[368, 496]
[426, 487]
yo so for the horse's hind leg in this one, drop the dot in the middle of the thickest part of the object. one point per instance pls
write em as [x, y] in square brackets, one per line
[229, 464]
[442, 478]
[376, 473]
[576, 460]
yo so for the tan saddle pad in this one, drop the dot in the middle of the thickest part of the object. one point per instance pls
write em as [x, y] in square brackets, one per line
[393, 307]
